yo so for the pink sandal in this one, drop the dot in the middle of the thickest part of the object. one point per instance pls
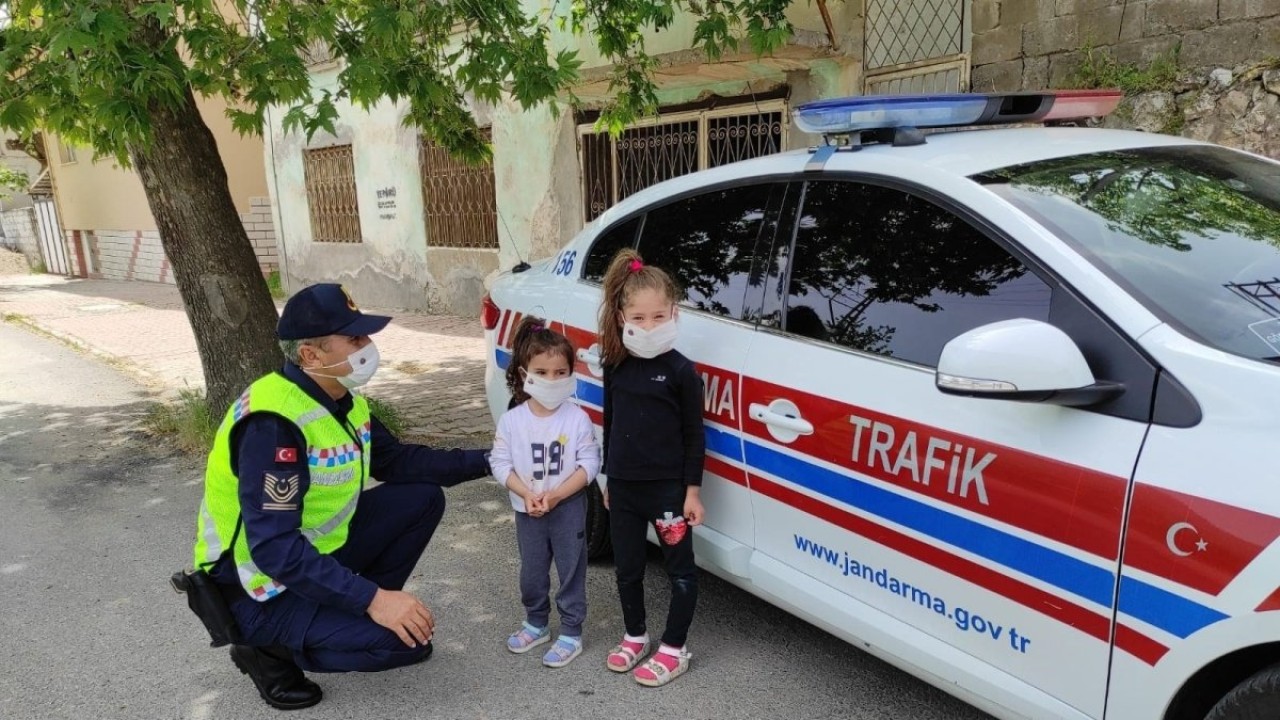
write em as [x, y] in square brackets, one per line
[626, 655]
[662, 668]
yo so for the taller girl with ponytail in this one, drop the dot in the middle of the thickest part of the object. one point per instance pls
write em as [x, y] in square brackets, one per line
[653, 454]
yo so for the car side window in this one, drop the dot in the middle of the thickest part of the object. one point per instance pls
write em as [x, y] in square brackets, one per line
[606, 246]
[883, 271]
[708, 244]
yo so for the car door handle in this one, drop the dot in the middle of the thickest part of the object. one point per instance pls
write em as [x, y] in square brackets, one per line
[762, 413]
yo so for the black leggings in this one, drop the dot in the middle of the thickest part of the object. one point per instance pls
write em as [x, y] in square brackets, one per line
[633, 507]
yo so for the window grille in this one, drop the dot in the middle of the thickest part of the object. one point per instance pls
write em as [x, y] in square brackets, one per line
[906, 31]
[674, 145]
[331, 194]
[458, 199]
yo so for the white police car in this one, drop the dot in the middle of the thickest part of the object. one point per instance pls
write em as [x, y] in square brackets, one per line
[994, 405]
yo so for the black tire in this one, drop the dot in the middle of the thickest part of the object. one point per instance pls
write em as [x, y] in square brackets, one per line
[1257, 698]
[598, 542]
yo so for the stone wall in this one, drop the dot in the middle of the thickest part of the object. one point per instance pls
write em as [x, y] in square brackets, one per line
[20, 234]
[1237, 107]
[1036, 44]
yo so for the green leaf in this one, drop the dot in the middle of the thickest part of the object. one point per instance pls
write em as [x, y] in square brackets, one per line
[18, 115]
[161, 11]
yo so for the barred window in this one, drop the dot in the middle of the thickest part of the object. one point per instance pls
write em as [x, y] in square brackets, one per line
[331, 194]
[458, 199]
[674, 145]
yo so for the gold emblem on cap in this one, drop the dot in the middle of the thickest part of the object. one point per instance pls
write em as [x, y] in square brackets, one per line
[350, 303]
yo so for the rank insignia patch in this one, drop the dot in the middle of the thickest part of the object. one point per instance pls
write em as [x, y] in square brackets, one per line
[281, 492]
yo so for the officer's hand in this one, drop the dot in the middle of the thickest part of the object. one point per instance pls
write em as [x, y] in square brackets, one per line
[403, 614]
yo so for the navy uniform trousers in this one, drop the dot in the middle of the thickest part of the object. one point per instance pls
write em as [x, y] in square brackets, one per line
[390, 529]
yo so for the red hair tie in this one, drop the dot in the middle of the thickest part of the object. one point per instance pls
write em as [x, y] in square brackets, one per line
[636, 265]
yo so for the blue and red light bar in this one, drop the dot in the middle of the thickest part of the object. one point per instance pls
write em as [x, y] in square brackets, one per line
[882, 112]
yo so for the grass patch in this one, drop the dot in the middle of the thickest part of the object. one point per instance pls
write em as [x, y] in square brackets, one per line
[389, 414]
[1099, 69]
[274, 285]
[186, 421]
[38, 268]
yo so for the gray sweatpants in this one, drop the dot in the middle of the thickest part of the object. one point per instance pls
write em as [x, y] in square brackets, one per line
[558, 535]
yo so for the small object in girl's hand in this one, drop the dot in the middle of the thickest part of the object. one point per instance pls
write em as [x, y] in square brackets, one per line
[636, 265]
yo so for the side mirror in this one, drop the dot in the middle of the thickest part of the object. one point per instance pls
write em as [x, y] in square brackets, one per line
[1024, 360]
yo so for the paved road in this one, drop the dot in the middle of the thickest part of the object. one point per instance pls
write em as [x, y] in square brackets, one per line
[93, 518]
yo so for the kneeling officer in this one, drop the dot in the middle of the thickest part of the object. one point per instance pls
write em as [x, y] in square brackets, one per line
[310, 564]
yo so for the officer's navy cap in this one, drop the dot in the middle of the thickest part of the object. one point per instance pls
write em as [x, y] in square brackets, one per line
[325, 309]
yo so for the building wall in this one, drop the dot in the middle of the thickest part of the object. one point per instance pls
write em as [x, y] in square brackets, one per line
[388, 268]
[538, 183]
[19, 225]
[105, 207]
[138, 254]
[1036, 44]
[538, 189]
[22, 162]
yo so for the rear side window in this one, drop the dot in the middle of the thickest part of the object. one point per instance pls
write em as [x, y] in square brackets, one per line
[708, 244]
[883, 271]
[608, 245]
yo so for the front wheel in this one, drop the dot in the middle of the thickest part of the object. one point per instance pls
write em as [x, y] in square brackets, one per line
[1257, 698]
[598, 541]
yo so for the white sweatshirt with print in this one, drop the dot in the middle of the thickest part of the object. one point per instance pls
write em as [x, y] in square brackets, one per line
[544, 451]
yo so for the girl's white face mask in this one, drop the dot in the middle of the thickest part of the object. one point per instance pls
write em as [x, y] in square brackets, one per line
[550, 394]
[364, 363]
[650, 343]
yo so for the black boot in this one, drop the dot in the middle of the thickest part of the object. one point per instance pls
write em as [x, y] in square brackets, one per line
[279, 681]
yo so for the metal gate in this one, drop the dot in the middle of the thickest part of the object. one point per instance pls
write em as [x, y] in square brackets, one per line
[916, 46]
[53, 244]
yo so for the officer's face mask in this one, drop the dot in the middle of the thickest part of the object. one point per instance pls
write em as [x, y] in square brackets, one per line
[363, 362]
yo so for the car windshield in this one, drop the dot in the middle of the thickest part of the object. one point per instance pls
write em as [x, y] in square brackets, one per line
[1193, 232]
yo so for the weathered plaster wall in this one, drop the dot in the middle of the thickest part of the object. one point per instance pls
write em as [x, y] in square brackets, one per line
[536, 165]
[1036, 44]
[388, 268]
[539, 191]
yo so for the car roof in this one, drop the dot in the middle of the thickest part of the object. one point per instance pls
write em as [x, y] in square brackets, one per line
[964, 153]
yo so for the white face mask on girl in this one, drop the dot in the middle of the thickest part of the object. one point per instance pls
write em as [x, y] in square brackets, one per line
[550, 394]
[650, 343]
[364, 363]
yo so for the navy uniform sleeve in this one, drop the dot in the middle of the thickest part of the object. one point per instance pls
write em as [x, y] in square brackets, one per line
[692, 432]
[271, 463]
[397, 462]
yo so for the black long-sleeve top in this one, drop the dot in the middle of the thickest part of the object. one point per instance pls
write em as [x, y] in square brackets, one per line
[653, 420]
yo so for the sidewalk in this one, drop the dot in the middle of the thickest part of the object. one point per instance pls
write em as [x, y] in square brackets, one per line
[432, 366]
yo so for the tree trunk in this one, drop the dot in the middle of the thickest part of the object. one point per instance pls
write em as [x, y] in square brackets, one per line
[222, 287]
